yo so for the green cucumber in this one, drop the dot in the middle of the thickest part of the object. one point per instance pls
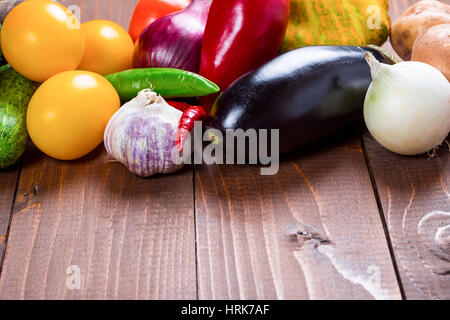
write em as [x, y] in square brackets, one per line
[15, 94]
[13, 134]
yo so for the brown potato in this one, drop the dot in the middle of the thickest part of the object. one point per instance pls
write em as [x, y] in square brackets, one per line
[433, 47]
[414, 22]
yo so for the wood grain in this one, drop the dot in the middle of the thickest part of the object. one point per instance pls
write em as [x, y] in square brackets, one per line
[131, 238]
[415, 198]
[127, 235]
[415, 201]
[117, 11]
[242, 252]
[313, 231]
[8, 181]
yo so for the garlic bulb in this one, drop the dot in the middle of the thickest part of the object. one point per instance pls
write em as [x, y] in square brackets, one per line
[142, 135]
[407, 107]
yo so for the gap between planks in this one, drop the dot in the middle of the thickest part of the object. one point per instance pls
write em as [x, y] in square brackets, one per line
[195, 231]
[4, 238]
[232, 247]
[382, 217]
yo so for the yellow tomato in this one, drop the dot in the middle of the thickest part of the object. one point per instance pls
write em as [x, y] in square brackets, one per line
[42, 38]
[67, 115]
[109, 48]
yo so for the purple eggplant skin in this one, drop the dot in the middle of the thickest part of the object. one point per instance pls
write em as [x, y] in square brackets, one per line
[308, 94]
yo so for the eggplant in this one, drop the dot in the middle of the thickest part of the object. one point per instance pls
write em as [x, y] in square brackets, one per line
[308, 94]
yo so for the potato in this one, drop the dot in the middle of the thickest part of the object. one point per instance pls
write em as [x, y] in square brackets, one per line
[433, 47]
[414, 22]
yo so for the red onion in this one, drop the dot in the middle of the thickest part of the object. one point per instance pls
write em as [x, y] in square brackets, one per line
[174, 41]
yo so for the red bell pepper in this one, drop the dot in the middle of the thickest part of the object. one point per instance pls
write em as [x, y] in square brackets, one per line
[241, 35]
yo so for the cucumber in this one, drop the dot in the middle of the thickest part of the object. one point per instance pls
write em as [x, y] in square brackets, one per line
[13, 134]
[15, 94]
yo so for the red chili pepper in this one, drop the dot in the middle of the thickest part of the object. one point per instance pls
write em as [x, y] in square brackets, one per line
[186, 123]
[182, 106]
[241, 35]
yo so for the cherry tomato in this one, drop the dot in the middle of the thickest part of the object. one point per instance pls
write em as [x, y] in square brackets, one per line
[42, 38]
[67, 115]
[147, 11]
[109, 48]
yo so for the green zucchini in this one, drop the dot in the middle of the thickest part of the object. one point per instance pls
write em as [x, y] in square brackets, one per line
[15, 94]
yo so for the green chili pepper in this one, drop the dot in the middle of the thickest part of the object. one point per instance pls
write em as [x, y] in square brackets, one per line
[167, 82]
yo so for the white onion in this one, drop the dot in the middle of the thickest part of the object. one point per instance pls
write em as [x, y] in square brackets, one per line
[407, 107]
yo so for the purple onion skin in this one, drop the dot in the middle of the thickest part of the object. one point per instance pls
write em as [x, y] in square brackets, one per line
[174, 41]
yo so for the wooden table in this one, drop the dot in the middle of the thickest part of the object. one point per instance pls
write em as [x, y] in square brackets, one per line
[345, 219]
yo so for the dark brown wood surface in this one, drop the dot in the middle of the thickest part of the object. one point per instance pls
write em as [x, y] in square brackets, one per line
[127, 238]
[344, 219]
[131, 238]
[124, 234]
[312, 231]
[415, 200]
[8, 182]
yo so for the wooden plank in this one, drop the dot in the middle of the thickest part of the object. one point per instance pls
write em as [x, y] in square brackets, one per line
[117, 11]
[8, 181]
[414, 194]
[415, 201]
[219, 217]
[313, 231]
[126, 237]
